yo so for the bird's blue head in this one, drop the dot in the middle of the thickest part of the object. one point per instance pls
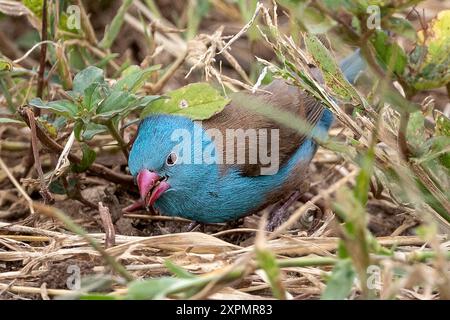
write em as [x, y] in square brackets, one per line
[163, 159]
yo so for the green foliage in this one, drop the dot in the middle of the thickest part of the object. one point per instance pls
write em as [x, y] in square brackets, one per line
[340, 282]
[95, 104]
[332, 74]
[197, 101]
[390, 54]
[430, 61]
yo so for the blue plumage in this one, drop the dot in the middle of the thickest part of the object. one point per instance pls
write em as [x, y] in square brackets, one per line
[208, 192]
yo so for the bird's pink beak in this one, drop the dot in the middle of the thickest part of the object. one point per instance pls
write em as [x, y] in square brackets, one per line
[151, 187]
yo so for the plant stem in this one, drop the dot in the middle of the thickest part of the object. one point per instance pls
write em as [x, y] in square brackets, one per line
[116, 135]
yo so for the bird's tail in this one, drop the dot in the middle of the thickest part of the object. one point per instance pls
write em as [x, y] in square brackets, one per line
[352, 65]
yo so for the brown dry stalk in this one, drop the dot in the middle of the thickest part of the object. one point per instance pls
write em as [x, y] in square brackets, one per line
[45, 193]
[110, 232]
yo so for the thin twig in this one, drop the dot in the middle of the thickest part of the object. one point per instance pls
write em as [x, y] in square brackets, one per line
[41, 82]
[110, 232]
[45, 193]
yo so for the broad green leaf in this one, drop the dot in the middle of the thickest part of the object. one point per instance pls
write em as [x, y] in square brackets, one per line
[5, 65]
[134, 78]
[115, 103]
[340, 282]
[64, 108]
[389, 54]
[88, 158]
[198, 101]
[86, 77]
[433, 49]
[332, 74]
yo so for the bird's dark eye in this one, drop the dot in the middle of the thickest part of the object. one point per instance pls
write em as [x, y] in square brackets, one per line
[171, 159]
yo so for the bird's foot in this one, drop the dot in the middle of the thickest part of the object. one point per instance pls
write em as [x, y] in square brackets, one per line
[280, 213]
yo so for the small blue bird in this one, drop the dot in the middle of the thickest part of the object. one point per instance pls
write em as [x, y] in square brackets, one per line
[218, 191]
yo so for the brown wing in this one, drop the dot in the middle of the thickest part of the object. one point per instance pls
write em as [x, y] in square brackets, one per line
[280, 102]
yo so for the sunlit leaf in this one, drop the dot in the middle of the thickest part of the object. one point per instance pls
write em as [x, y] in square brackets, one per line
[134, 78]
[198, 101]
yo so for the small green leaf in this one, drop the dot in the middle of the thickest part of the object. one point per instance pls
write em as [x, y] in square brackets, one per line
[64, 108]
[340, 282]
[133, 78]
[332, 74]
[8, 120]
[162, 287]
[87, 77]
[115, 103]
[415, 133]
[268, 263]
[93, 94]
[88, 158]
[178, 271]
[442, 124]
[198, 101]
[5, 65]
[402, 27]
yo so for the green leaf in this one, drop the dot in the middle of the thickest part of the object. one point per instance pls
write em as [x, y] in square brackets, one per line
[97, 296]
[87, 77]
[334, 79]
[442, 125]
[5, 65]
[340, 282]
[162, 287]
[112, 30]
[86, 131]
[133, 78]
[93, 94]
[433, 71]
[389, 54]
[115, 103]
[64, 108]
[268, 263]
[402, 27]
[9, 120]
[88, 158]
[178, 271]
[198, 101]
[415, 133]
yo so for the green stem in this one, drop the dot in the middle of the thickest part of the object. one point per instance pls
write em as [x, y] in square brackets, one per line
[116, 135]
